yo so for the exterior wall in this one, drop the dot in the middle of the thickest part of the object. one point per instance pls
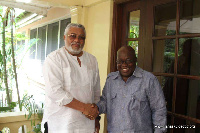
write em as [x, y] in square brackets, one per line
[98, 42]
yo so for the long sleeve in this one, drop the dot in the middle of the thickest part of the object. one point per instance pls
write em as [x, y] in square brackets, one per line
[53, 77]
[97, 86]
[102, 104]
[158, 106]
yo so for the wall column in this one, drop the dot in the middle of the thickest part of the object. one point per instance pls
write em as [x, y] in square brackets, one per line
[77, 14]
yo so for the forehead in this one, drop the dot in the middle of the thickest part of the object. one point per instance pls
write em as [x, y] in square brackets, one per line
[76, 30]
[124, 54]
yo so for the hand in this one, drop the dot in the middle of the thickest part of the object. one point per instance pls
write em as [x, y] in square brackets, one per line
[97, 126]
[91, 111]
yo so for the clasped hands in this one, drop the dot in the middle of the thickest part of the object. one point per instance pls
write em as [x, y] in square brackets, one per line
[91, 111]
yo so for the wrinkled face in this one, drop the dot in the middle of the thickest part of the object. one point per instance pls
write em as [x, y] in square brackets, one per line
[126, 64]
[74, 40]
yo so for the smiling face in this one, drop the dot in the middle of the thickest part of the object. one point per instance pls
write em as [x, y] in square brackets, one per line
[74, 40]
[126, 62]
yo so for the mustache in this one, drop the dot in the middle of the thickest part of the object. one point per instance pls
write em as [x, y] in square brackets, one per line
[75, 43]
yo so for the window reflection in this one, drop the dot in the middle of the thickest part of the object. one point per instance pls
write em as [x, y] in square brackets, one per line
[165, 19]
[189, 55]
[163, 56]
[188, 97]
[167, 86]
[189, 16]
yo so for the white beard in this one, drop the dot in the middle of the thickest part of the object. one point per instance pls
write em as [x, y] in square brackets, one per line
[69, 48]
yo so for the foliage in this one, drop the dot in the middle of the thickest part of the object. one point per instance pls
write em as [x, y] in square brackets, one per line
[7, 59]
[37, 128]
[33, 109]
[12, 105]
[169, 54]
[7, 62]
[134, 33]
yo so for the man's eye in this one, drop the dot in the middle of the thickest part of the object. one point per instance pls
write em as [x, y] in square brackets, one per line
[118, 62]
[128, 61]
[73, 36]
[82, 37]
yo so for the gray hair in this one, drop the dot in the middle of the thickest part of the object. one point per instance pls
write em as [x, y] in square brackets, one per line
[74, 25]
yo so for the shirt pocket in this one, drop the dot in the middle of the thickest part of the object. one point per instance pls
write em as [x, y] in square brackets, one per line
[138, 101]
[113, 97]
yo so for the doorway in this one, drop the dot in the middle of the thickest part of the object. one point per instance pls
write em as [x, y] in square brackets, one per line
[166, 37]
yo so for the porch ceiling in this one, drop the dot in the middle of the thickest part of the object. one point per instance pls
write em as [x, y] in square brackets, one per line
[41, 7]
[38, 8]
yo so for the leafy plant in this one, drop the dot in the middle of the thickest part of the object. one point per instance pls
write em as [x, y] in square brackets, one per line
[8, 63]
[33, 109]
[37, 128]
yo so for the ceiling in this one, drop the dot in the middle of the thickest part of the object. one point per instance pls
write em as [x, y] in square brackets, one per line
[39, 8]
[33, 10]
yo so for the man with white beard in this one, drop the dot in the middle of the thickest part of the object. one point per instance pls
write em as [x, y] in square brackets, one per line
[72, 84]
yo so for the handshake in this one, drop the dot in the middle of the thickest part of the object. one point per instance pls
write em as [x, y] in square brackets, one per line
[91, 111]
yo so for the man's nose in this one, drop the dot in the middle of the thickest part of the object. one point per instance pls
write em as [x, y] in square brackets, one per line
[124, 63]
[77, 39]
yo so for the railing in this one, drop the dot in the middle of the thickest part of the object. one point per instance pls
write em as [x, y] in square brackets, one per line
[14, 120]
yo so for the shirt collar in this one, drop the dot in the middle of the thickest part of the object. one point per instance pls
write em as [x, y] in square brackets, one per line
[137, 73]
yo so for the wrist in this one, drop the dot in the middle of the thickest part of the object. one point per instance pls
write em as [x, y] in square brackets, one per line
[83, 108]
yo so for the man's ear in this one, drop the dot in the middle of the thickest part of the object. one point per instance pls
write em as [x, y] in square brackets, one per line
[64, 37]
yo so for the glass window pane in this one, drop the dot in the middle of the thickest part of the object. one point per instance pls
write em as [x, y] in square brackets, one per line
[52, 37]
[189, 56]
[134, 20]
[134, 45]
[188, 97]
[189, 16]
[41, 43]
[64, 23]
[163, 56]
[165, 19]
[167, 86]
[33, 34]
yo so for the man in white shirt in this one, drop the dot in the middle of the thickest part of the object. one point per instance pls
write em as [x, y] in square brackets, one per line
[72, 84]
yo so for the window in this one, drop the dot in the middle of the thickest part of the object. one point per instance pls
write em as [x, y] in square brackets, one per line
[33, 35]
[176, 51]
[41, 43]
[63, 24]
[52, 37]
[47, 39]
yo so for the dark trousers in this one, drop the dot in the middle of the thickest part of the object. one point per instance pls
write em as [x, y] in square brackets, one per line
[45, 127]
